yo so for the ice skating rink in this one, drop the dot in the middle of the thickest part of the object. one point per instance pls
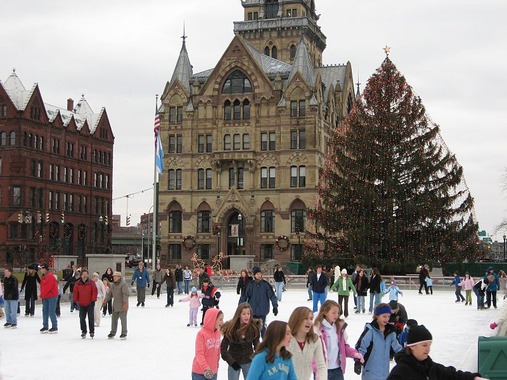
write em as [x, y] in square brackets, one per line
[160, 345]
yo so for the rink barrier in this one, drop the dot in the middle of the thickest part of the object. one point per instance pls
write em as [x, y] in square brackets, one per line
[492, 357]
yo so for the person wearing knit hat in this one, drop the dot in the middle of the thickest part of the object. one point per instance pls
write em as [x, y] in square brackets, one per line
[376, 342]
[258, 294]
[398, 317]
[343, 286]
[415, 363]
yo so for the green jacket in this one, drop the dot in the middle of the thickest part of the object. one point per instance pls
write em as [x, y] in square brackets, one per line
[344, 291]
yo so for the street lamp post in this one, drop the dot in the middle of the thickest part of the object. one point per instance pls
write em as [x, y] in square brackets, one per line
[504, 241]
[240, 218]
[218, 242]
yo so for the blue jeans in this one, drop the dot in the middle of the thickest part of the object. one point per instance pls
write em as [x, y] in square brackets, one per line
[180, 286]
[375, 299]
[480, 299]
[11, 311]
[198, 376]
[279, 290]
[310, 292]
[263, 319]
[335, 374]
[316, 298]
[187, 286]
[234, 375]
[49, 312]
[360, 303]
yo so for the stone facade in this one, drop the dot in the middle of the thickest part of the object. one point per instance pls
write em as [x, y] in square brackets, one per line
[245, 141]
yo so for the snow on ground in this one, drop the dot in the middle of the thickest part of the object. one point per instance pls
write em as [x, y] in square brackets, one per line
[160, 345]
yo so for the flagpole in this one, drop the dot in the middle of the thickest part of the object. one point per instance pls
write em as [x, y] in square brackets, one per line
[154, 224]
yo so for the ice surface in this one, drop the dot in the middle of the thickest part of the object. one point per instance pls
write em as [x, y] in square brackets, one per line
[159, 344]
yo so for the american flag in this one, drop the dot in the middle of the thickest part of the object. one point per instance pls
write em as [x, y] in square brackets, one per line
[159, 151]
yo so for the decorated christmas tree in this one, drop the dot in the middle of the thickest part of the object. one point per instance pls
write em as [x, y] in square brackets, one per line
[391, 191]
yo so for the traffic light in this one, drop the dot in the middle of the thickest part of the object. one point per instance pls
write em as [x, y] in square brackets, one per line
[63, 217]
[47, 217]
[128, 220]
[20, 217]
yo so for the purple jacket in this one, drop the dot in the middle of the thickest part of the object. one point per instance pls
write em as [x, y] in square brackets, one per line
[345, 350]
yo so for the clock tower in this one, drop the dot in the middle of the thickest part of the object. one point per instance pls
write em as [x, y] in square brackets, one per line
[275, 27]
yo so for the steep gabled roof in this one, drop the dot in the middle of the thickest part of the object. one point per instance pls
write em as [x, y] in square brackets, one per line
[269, 65]
[183, 69]
[16, 91]
[303, 64]
[331, 75]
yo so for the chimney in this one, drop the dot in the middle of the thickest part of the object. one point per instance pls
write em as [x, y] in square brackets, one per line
[70, 104]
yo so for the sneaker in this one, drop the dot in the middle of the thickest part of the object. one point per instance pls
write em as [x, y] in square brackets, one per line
[83, 335]
[7, 325]
[44, 330]
[110, 336]
[123, 336]
[14, 326]
[53, 330]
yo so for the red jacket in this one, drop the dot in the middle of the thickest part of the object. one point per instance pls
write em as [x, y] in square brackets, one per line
[84, 292]
[48, 286]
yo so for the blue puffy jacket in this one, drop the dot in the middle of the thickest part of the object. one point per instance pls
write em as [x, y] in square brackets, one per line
[142, 278]
[493, 282]
[258, 294]
[375, 346]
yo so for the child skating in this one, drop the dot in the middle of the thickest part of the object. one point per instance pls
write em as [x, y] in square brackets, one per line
[194, 303]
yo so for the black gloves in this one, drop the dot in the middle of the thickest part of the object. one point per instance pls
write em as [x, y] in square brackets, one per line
[132, 283]
[236, 366]
[357, 367]
[275, 311]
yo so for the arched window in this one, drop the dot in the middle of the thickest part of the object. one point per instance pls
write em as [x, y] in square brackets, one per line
[237, 110]
[3, 138]
[274, 52]
[13, 138]
[237, 83]
[292, 52]
[246, 109]
[266, 50]
[227, 110]
[349, 103]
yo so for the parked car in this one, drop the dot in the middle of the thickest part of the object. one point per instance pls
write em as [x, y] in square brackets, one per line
[132, 261]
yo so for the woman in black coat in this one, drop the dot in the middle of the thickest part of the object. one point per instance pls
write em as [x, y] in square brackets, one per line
[244, 280]
[414, 362]
[29, 285]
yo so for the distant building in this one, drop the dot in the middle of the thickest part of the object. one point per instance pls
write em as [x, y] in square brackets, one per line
[56, 168]
[246, 141]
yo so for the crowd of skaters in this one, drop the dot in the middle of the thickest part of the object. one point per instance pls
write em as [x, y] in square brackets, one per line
[93, 296]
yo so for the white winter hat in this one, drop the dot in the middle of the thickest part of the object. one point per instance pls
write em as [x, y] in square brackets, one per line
[344, 271]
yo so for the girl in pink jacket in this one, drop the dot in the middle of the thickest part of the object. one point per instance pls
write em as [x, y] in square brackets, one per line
[194, 300]
[331, 329]
[207, 346]
[468, 284]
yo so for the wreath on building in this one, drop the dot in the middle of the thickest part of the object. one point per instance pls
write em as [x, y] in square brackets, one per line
[188, 243]
[282, 243]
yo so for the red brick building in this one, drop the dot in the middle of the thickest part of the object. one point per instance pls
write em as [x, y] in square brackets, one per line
[56, 169]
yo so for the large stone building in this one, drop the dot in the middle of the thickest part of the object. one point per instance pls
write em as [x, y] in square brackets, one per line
[246, 140]
[56, 169]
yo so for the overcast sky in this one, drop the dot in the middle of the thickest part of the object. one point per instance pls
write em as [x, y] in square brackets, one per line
[119, 54]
